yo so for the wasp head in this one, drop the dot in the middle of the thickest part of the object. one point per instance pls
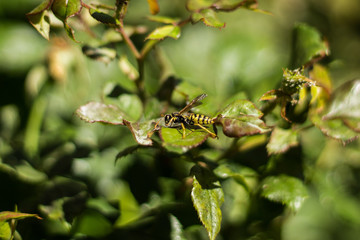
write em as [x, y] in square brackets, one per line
[167, 119]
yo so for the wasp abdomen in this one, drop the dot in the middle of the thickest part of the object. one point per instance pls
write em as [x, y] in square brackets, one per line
[200, 119]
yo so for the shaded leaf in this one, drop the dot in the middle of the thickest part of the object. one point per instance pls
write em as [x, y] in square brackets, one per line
[173, 137]
[208, 17]
[131, 105]
[227, 171]
[194, 5]
[154, 6]
[163, 19]
[100, 112]
[335, 128]
[7, 215]
[286, 190]
[140, 131]
[130, 209]
[345, 101]
[165, 31]
[308, 45]
[102, 54]
[91, 223]
[103, 17]
[127, 68]
[281, 140]
[207, 197]
[128, 151]
[177, 231]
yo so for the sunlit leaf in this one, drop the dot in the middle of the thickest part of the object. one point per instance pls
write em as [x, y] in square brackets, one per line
[194, 5]
[165, 31]
[100, 112]
[64, 9]
[208, 17]
[335, 128]
[140, 131]
[207, 196]
[240, 108]
[308, 45]
[294, 80]
[154, 6]
[286, 190]
[131, 105]
[5, 230]
[177, 231]
[243, 126]
[163, 19]
[39, 18]
[173, 137]
[353, 124]
[345, 102]
[7, 215]
[321, 76]
[281, 140]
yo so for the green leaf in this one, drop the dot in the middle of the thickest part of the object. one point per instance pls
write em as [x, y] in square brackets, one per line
[194, 5]
[286, 190]
[208, 17]
[345, 102]
[5, 231]
[227, 171]
[165, 31]
[140, 131]
[102, 54]
[130, 209]
[103, 17]
[173, 137]
[39, 18]
[131, 105]
[308, 45]
[100, 112]
[240, 108]
[154, 6]
[241, 118]
[177, 231]
[163, 19]
[127, 68]
[63, 9]
[92, 223]
[7, 215]
[281, 140]
[335, 128]
[207, 197]
[243, 126]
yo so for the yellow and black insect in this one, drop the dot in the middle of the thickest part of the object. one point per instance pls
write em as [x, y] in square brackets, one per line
[182, 118]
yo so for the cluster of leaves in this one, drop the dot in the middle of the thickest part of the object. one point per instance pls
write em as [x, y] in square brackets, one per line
[305, 99]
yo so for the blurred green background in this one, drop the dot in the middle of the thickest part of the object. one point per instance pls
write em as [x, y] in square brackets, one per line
[45, 149]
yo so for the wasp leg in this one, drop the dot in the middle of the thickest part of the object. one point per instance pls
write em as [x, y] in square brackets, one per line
[152, 131]
[213, 135]
[184, 130]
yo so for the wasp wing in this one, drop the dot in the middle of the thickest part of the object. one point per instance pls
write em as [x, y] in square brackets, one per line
[195, 102]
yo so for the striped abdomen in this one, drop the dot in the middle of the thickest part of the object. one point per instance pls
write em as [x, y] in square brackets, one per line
[199, 119]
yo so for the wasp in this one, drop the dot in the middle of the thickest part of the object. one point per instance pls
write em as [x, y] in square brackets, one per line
[182, 118]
